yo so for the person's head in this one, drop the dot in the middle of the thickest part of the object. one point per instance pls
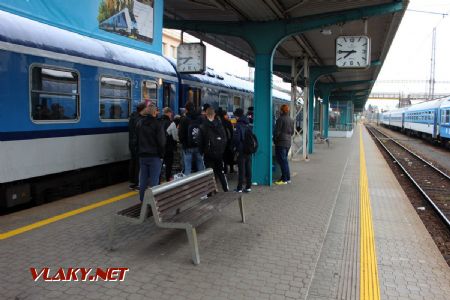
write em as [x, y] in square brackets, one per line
[284, 109]
[250, 109]
[238, 113]
[152, 110]
[140, 107]
[210, 113]
[176, 120]
[190, 107]
[205, 108]
[167, 111]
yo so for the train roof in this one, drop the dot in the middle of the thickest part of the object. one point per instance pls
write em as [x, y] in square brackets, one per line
[425, 105]
[421, 106]
[18, 30]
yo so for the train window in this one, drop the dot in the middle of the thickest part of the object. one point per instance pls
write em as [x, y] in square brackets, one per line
[150, 92]
[237, 102]
[169, 95]
[223, 101]
[115, 98]
[54, 94]
[195, 96]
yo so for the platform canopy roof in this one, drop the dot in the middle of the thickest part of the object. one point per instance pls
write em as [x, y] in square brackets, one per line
[209, 20]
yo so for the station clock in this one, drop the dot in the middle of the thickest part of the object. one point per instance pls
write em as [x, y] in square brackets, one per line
[191, 58]
[353, 52]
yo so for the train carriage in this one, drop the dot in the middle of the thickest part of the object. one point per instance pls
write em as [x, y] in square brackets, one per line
[65, 100]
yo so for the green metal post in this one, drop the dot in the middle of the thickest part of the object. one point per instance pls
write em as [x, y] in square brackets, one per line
[262, 166]
[326, 114]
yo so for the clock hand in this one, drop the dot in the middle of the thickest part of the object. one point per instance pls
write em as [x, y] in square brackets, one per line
[185, 59]
[349, 53]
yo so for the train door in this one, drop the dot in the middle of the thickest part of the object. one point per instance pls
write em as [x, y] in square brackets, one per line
[434, 119]
[403, 121]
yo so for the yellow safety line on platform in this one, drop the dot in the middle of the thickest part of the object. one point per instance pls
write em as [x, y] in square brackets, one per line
[64, 215]
[369, 286]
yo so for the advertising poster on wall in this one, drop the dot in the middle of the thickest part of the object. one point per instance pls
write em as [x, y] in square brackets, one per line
[130, 18]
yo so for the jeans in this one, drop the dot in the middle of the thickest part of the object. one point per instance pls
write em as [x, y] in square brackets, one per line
[244, 162]
[190, 154]
[281, 154]
[149, 174]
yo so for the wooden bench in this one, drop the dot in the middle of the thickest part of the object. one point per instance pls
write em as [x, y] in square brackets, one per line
[181, 204]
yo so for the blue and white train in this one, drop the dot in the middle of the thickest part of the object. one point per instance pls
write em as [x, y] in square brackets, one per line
[65, 100]
[429, 119]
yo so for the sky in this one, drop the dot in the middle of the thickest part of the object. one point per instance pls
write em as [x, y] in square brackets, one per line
[408, 58]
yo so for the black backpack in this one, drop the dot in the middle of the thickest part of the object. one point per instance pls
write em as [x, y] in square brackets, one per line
[250, 142]
[217, 142]
[194, 133]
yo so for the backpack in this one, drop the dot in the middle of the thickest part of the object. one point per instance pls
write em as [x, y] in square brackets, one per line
[250, 142]
[194, 134]
[216, 144]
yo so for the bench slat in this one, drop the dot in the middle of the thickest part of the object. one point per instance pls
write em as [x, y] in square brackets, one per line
[168, 195]
[195, 191]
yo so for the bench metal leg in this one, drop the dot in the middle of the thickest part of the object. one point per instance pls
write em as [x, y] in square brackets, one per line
[192, 237]
[241, 207]
[111, 233]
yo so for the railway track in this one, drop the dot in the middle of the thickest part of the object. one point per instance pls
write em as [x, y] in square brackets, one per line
[429, 180]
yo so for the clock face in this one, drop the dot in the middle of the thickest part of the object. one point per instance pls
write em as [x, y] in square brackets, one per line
[353, 52]
[191, 58]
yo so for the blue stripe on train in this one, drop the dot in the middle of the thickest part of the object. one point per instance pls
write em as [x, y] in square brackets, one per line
[42, 134]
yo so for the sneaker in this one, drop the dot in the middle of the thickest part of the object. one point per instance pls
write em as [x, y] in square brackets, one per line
[280, 182]
[134, 187]
[238, 191]
[247, 190]
[289, 182]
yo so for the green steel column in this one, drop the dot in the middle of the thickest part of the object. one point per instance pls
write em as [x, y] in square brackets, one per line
[311, 115]
[262, 162]
[326, 114]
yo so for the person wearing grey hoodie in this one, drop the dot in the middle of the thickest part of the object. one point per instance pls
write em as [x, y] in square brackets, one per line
[284, 129]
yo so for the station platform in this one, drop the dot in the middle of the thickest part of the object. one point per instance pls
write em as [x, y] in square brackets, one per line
[300, 241]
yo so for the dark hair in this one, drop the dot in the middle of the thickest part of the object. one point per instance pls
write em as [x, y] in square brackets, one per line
[190, 107]
[238, 112]
[250, 108]
[206, 106]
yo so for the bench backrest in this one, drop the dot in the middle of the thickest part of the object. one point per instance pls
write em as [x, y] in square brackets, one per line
[173, 197]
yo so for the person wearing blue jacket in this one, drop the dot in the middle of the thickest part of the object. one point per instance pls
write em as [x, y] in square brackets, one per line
[244, 161]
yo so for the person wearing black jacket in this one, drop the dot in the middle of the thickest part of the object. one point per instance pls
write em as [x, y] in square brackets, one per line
[133, 145]
[244, 160]
[151, 141]
[284, 129]
[214, 142]
[228, 155]
[188, 124]
[166, 120]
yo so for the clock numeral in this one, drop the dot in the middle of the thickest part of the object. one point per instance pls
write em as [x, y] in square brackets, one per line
[352, 40]
[364, 58]
[359, 63]
[344, 63]
[339, 45]
[364, 51]
[351, 63]
[359, 39]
